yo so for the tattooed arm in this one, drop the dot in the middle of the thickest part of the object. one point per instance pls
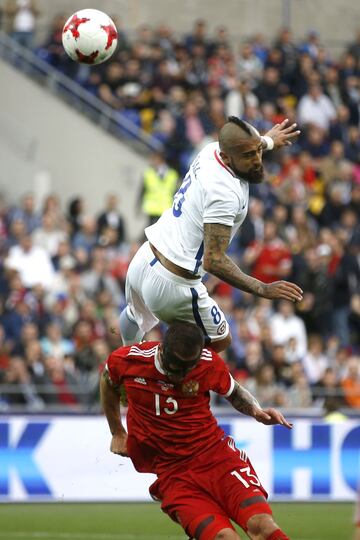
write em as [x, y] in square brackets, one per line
[218, 263]
[244, 402]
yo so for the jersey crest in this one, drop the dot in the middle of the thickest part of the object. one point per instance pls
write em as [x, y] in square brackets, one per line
[190, 388]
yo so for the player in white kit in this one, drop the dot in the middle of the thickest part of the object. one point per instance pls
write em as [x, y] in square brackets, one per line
[191, 238]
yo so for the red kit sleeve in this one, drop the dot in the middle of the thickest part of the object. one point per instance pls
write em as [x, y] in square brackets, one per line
[220, 379]
[116, 364]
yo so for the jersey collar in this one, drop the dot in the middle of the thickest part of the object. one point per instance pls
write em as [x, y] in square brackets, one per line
[220, 161]
[157, 361]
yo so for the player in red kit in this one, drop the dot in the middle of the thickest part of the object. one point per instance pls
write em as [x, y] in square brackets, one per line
[203, 480]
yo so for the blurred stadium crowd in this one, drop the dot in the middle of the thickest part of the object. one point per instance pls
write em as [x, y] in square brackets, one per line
[63, 270]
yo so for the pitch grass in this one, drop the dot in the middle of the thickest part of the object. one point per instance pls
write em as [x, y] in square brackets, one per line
[62, 521]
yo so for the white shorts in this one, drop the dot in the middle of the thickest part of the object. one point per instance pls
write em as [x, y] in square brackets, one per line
[153, 293]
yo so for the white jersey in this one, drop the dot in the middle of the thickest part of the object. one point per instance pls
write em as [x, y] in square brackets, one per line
[210, 193]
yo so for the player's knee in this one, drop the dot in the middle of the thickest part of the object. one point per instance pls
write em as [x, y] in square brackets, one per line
[221, 344]
[227, 534]
[263, 527]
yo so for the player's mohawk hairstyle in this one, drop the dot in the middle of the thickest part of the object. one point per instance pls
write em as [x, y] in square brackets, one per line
[243, 125]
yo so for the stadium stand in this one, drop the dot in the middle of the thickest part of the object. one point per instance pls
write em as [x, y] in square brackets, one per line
[56, 324]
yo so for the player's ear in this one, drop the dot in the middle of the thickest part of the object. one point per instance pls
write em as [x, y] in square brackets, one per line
[224, 157]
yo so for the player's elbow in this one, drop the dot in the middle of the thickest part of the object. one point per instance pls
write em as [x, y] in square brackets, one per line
[210, 264]
[207, 264]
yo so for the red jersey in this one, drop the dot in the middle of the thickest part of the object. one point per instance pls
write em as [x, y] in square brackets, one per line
[273, 256]
[167, 421]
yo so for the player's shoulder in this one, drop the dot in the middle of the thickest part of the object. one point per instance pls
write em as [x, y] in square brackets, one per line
[209, 355]
[145, 348]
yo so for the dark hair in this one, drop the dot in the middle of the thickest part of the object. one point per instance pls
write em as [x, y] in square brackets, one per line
[242, 124]
[184, 339]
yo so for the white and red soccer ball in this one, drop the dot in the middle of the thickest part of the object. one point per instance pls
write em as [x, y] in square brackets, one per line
[89, 36]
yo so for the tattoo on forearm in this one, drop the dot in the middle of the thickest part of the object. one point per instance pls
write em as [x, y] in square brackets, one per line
[216, 241]
[242, 400]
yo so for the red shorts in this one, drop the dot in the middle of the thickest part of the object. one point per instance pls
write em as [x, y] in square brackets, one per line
[215, 487]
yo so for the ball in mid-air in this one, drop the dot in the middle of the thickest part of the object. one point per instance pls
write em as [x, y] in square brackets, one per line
[89, 36]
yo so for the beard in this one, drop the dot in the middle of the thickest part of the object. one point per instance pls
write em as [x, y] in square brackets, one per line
[253, 176]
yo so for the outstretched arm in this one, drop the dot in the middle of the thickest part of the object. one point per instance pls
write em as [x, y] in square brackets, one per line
[281, 135]
[218, 263]
[110, 401]
[244, 402]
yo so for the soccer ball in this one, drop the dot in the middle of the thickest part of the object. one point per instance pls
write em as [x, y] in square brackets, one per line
[89, 36]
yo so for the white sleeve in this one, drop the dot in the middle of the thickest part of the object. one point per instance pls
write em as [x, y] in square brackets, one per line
[221, 205]
[231, 388]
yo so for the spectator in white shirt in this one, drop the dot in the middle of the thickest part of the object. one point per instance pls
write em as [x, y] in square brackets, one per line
[49, 236]
[315, 362]
[316, 108]
[249, 65]
[238, 97]
[31, 262]
[22, 15]
[286, 326]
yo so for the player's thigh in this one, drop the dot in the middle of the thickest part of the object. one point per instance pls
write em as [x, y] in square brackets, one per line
[206, 313]
[245, 495]
[139, 276]
[163, 296]
[199, 515]
[138, 270]
[201, 519]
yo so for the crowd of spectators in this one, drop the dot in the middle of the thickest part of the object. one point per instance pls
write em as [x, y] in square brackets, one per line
[62, 275]
[180, 89]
